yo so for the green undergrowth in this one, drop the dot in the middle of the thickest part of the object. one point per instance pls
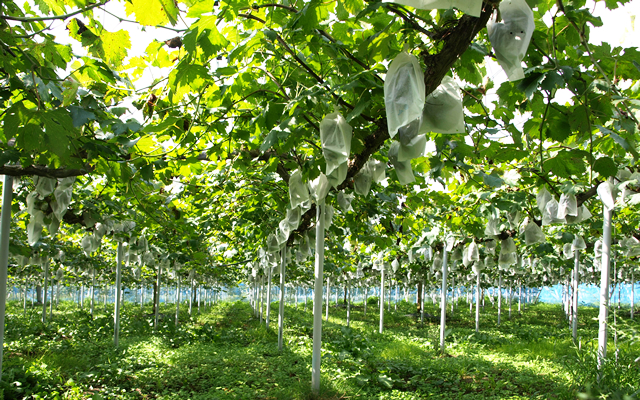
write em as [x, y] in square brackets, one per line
[226, 353]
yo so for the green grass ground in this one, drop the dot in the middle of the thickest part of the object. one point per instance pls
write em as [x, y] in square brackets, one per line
[225, 353]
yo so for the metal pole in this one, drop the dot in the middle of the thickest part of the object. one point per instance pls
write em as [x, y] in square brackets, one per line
[443, 302]
[604, 284]
[116, 314]
[5, 228]
[283, 260]
[317, 299]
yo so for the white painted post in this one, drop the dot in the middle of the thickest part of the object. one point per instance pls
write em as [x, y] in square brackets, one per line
[116, 312]
[317, 299]
[177, 299]
[283, 260]
[269, 296]
[478, 291]
[633, 284]
[443, 301]
[604, 283]
[44, 291]
[576, 276]
[328, 296]
[5, 229]
[157, 299]
[382, 298]
[499, 296]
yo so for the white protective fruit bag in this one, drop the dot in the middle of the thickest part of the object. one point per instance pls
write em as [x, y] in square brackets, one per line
[344, 201]
[298, 191]
[490, 247]
[404, 92]
[335, 135]
[568, 205]
[272, 243]
[378, 169]
[363, 179]
[542, 198]
[34, 228]
[533, 234]
[443, 111]
[471, 7]
[44, 186]
[62, 195]
[412, 144]
[492, 227]
[510, 38]
[578, 243]
[328, 216]
[338, 175]
[293, 217]
[318, 188]
[583, 215]
[607, 194]
[403, 168]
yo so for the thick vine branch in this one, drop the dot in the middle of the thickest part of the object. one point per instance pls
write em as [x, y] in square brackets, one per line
[37, 170]
[63, 16]
[455, 42]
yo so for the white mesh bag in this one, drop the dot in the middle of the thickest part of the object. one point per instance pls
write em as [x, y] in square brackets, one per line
[510, 38]
[335, 135]
[403, 168]
[298, 191]
[404, 92]
[443, 111]
[471, 7]
[533, 234]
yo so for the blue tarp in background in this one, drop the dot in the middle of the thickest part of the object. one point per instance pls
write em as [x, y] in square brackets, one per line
[590, 294]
